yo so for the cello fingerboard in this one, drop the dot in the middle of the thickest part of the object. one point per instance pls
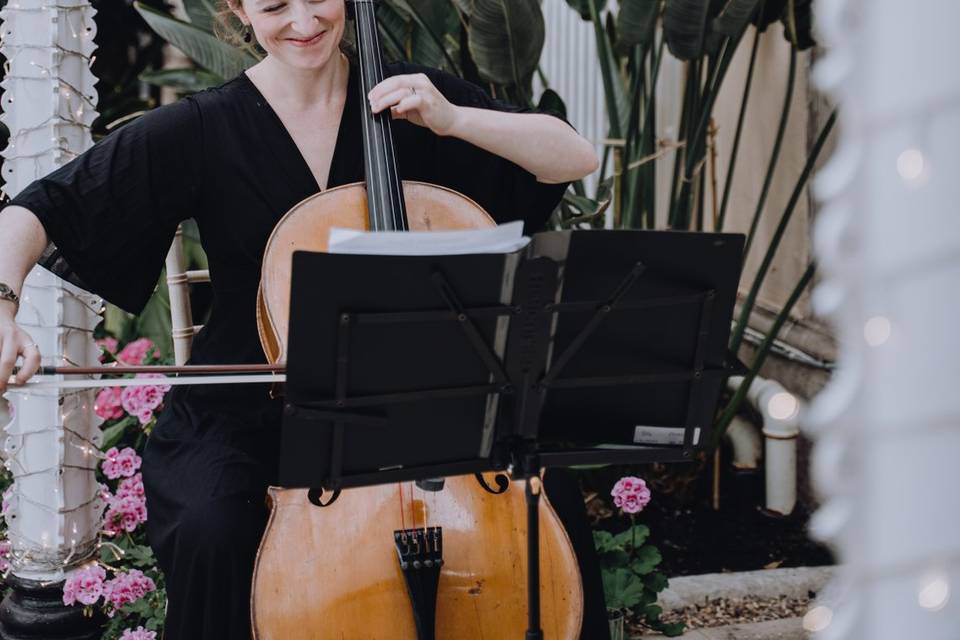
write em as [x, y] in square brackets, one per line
[385, 203]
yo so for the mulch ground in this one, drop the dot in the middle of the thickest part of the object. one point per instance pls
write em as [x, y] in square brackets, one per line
[717, 612]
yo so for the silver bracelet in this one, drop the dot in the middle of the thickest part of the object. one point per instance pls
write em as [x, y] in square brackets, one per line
[7, 293]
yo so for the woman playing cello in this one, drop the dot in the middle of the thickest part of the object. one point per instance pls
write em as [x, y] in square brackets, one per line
[235, 158]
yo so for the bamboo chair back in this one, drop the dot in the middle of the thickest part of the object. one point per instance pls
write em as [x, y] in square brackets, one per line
[179, 280]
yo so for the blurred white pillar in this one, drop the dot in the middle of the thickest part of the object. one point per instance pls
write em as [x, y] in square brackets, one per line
[888, 245]
[50, 446]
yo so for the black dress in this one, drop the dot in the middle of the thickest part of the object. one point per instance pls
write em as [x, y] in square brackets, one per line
[224, 158]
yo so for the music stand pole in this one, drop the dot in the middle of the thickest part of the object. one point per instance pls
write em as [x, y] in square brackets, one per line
[534, 487]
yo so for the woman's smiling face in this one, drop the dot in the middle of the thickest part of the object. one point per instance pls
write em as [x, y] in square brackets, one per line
[300, 33]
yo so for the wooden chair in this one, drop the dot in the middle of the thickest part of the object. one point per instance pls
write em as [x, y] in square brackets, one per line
[179, 280]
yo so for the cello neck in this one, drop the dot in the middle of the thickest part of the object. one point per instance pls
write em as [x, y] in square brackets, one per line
[385, 204]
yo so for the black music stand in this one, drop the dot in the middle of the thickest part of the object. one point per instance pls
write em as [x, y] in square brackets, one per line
[586, 347]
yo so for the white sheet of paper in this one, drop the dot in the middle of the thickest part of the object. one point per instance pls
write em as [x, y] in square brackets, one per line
[505, 238]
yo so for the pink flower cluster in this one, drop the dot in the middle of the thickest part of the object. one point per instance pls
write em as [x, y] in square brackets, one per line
[108, 404]
[6, 549]
[127, 509]
[138, 634]
[5, 504]
[84, 586]
[120, 463]
[131, 487]
[631, 494]
[142, 401]
[125, 588]
[137, 351]
[108, 346]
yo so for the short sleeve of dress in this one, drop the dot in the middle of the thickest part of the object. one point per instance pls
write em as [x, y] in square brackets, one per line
[504, 189]
[111, 213]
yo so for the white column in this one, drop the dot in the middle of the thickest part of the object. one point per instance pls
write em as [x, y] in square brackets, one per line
[51, 443]
[888, 244]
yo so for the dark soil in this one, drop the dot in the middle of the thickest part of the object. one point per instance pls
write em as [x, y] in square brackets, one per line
[695, 539]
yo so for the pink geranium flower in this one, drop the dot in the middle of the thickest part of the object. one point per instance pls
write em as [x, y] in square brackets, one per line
[132, 486]
[120, 463]
[6, 552]
[138, 634]
[631, 494]
[7, 495]
[108, 346]
[137, 351]
[143, 401]
[108, 403]
[125, 588]
[124, 513]
[84, 586]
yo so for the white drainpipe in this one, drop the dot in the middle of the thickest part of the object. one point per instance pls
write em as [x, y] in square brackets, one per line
[781, 411]
[747, 445]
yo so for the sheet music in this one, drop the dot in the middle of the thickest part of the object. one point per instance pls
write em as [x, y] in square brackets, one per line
[505, 238]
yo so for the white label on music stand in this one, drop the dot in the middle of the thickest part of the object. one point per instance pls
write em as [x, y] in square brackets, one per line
[645, 434]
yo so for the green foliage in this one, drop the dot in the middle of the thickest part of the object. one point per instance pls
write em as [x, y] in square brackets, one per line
[506, 38]
[630, 579]
[198, 43]
[705, 34]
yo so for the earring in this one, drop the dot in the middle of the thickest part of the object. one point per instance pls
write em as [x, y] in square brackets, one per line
[247, 34]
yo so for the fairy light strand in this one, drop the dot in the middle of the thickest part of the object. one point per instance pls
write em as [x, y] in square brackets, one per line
[66, 106]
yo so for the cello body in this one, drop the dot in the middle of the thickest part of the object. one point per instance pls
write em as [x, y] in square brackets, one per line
[331, 573]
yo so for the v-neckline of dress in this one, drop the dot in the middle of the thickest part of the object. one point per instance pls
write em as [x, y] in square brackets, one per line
[293, 151]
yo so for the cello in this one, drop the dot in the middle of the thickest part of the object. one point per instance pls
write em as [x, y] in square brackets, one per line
[340, 571]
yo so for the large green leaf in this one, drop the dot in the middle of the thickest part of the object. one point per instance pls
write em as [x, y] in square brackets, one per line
[615, 93]
[622, 588]
[735, 16]
[770, 12]
[434, 19]
[394, 29]
[187, 80]
[686, 24]
[201, 13]
[799, 27]
[647, 558]
[200, 46]
[583, 7]
[637, 21]
[464, 6]
[730, 22]
[506, 38]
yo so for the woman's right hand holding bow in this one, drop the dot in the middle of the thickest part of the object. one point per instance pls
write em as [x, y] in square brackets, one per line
[22, 240]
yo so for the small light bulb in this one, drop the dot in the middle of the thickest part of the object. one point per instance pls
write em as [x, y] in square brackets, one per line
[877, 331]
[934, 591]
[817, 619]
[912, 166]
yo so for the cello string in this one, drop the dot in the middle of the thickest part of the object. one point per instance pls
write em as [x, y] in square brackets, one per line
[370, 24]
[399, 220]
[413, 510]
[368, 115]
[403, 523]
[383, 122]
